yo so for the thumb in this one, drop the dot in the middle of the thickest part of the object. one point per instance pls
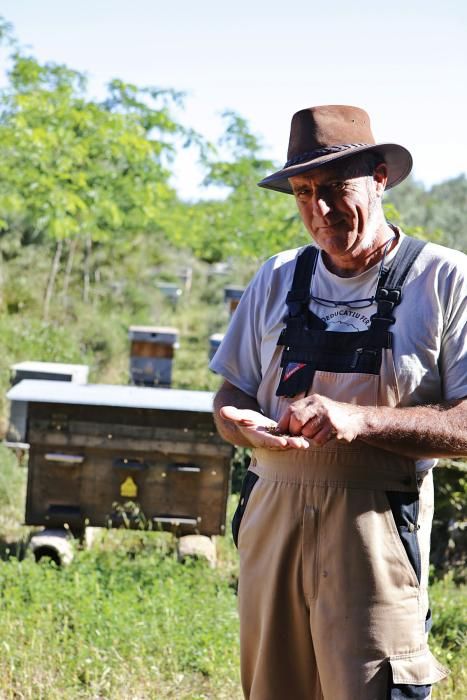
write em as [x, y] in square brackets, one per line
[231, 413]
[283, 422]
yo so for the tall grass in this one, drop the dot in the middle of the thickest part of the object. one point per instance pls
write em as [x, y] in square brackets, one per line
[125, 620]
[448, 639]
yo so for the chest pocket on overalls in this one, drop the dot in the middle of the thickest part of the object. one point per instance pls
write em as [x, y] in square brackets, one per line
[343, 366]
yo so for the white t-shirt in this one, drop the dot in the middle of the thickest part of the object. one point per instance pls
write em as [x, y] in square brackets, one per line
[429, 335]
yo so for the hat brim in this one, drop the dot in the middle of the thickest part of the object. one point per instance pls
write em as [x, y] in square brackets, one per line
[397, 158]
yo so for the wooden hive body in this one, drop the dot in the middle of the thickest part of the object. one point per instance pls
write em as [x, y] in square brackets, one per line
[107, 456]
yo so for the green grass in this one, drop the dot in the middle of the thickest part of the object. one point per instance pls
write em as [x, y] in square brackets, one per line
[125, 620]
[12, 499]
[448, 639]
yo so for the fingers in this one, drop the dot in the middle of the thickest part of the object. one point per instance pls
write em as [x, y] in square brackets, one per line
[301, 417]
[301, 422]
[283, 423]
[281, 442]
[228, 412]
[237, 415]
[298, 442]
[314, 425]
[304, 422]
[308, 418]
[255, 427]
[324, 435]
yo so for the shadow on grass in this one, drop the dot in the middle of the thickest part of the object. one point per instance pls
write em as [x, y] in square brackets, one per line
[13, 549]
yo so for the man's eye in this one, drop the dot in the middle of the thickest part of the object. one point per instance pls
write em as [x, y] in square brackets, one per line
[338, 185]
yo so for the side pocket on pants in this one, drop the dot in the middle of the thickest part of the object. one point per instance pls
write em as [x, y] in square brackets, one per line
[412, 675]
[249, 481]
[405, 508]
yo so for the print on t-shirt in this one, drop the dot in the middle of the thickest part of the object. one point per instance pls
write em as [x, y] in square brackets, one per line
[346, 320]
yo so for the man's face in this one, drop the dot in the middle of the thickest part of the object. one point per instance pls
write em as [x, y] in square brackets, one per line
[338, 212]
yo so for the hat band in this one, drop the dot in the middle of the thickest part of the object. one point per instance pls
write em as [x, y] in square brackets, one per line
[311, 155]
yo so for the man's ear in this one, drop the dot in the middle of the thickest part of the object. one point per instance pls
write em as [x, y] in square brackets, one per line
[380, 177]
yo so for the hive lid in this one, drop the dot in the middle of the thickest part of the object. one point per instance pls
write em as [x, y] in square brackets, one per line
[43, 391]
[233, 292]
[154, 329]
[154, 334]
[216, 337]
[58, 367]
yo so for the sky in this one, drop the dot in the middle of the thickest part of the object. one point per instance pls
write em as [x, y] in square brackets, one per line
[403, 61]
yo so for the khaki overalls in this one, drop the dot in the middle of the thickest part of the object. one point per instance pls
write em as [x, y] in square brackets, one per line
[334, 549]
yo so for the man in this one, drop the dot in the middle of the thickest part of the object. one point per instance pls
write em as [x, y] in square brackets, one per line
[345, 368]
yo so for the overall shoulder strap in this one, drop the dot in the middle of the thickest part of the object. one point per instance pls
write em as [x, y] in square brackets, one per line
[389, 292]
[299, 293]
[394, 277]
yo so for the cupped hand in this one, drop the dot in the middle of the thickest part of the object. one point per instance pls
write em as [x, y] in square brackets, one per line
[320, 419]
[255, 427]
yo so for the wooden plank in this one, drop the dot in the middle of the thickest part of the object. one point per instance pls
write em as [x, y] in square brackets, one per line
[123, 415]
[179, 434]
[111, 441]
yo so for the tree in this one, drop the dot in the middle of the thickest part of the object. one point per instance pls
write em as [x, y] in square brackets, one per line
[78, 173]
[250, 222]
[440, 212]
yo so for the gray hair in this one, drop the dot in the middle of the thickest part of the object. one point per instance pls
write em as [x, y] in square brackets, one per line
[360, 165]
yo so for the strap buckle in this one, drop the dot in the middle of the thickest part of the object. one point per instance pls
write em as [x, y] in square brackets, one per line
[296, 299]
[388, 295]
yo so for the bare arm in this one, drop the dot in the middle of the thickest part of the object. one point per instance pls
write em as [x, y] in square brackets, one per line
[419, 432]
[229, 395]
[239, 420]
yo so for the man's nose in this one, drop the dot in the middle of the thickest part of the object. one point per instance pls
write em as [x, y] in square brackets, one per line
[320, 205]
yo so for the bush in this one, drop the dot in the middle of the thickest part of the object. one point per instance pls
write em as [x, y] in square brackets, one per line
[449, 536]
[448, 639]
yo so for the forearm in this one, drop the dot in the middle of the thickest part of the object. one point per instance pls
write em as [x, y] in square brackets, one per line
[229, 395]
[419, 431]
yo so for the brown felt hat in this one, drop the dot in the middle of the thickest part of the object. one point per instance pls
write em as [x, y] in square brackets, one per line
[325, 134]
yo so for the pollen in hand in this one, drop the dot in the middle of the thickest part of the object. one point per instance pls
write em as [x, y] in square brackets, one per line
[274, 430]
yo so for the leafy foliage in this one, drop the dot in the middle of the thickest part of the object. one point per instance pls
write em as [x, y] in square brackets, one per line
[250, 223]
[440, 212]
[449, 536]
[71, 167]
